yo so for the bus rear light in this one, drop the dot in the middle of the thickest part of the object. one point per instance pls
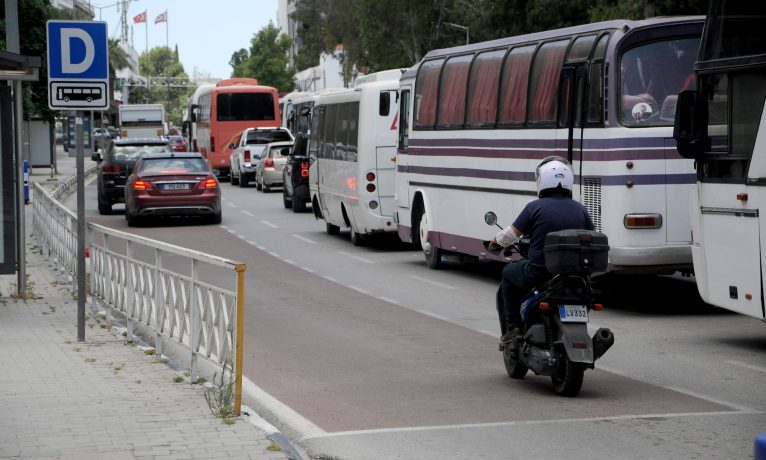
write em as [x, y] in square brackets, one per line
[634, 221]
[141, 185]
[370, 188]
[268, 163]
[545, 306]
[247, 156]
[742, 196]
[370, 176]
[373, 204]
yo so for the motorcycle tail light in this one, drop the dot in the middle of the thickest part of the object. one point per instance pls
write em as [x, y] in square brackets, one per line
[545, 306]
[598, 307]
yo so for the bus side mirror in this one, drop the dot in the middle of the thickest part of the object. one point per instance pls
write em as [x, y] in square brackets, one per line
[385, 104]
[686, 128]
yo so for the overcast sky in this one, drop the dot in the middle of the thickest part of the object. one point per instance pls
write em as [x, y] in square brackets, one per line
[207, 32]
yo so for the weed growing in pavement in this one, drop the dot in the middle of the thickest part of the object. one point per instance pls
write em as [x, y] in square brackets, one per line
[90, 360]
[178, 379]
[118, 368]
[149, 352]
[220, 395]
[274, 447]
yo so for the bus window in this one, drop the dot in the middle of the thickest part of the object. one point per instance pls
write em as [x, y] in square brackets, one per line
[404, 120]
[581, 47]
[245, 106]
[315, 141]
[651, 76]
[454, 80]
[515, 81]
[482, 89]
[595, 88]
[341, 132]
[426, 90]
[544, 82]
[353, 131]
[328, 137]
[600, 50]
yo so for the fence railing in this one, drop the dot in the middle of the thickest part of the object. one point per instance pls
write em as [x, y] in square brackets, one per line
[130, 274]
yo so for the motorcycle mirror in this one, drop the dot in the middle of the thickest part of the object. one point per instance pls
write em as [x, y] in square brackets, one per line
[490, 218]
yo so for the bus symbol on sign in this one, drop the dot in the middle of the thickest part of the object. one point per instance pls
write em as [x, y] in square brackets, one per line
[78, 65]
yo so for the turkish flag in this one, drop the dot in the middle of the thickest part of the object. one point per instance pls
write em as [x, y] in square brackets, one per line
[161, 18]
[140, 17]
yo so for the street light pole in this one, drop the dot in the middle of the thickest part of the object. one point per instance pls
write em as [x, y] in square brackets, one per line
[458, 26]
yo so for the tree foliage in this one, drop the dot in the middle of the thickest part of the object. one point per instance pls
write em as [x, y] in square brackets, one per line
[398, 33]
[161, 61]
[267, 60]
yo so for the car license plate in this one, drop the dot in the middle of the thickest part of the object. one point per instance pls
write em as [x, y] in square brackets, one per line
[573, 313]
[176, 187]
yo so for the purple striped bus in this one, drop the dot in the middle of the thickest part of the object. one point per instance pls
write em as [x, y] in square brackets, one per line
[476, 119]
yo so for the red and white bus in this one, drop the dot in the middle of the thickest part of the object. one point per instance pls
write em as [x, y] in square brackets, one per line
[225, 110]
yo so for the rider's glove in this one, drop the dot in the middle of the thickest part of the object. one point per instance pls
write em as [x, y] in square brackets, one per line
[507, 236]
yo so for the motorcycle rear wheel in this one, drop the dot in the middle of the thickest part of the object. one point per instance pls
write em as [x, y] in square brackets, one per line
[515, 368]
[567, 380]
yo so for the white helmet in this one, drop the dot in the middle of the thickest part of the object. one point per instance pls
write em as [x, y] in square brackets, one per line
[554, 172]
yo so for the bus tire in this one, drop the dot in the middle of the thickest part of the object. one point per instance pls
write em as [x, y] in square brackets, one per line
[432, 254]
[332, 229]
[356, 238]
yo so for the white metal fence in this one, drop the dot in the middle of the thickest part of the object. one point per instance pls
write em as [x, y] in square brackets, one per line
[202, 317]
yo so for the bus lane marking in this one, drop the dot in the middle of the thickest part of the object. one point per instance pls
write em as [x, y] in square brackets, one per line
[434, 283]
[266, 222]
[247, 213]
[355, 257]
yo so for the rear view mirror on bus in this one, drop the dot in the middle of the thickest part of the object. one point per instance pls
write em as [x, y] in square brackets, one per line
[686, 128]
[385, 104]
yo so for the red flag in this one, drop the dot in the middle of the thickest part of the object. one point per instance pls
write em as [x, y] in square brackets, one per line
[140, 17]
[162, 18]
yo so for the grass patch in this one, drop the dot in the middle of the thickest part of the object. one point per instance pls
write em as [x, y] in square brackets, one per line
[150, 352]
[178, 379]
[274, 447]
[90, 360]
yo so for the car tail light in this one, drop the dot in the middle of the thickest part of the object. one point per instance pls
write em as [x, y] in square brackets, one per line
[304, 169]
[212, 144]
[268, 163]
[209, 183]
[247, 156]
[141, 185]
[111, 169]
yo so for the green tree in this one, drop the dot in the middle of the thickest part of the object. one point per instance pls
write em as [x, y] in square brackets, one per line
[161, 61]
[267, 60]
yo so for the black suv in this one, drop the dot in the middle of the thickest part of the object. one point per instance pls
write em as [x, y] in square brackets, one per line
[295, 176]
[117, 164]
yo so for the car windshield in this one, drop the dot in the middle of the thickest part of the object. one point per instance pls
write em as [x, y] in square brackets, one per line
[163, 166]
[132, 152]
[267, 136]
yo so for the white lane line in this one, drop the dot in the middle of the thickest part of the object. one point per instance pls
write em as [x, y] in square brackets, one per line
[247, 213]
[308, 270]
[486, 332]
[358, 289]
[435, 283]
[231, 231]
[274, 254]
[432, 315]
[386, 299]
[232, 205]
[266, 222]
[241, 237]
[747, 366]
[355, 257]
[289, 261]
[303, 238]
[224, 227]
[329, 278]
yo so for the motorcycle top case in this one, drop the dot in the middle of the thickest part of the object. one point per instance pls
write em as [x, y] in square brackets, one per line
[576, 251]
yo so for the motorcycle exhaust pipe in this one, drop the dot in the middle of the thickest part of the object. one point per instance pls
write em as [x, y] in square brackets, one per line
[602, 341]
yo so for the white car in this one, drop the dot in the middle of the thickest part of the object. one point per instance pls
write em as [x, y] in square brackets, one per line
[268, 171]
[246, 150]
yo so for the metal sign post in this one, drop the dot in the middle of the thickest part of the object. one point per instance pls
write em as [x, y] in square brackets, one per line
[78, 73]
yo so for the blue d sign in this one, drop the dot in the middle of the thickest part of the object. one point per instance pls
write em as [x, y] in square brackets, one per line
[77, 50]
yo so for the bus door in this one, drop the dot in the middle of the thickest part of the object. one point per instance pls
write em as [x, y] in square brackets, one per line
[402, 159]
[385, 146]
[573, 87]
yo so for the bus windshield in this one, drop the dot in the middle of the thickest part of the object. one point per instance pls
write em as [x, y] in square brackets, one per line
[245, 106]
[651, 77]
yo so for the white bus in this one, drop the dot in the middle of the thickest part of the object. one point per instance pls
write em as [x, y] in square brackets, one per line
[192, 113]
[722, 126]
[287, 107]
[352, 144]
[476, 119]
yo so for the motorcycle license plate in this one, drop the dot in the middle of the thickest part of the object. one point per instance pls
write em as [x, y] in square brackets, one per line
[573, 313]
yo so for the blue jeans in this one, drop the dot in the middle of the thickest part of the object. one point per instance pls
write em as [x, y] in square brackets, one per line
[517, 280]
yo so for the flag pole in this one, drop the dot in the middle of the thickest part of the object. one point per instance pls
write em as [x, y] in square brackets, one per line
[167, 34]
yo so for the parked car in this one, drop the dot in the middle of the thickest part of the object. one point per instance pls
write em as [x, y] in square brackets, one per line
[172, 184]
[116, 164]
[268, 171]
[113, 132]
[295, 176]
[178, 143]
[246, 148]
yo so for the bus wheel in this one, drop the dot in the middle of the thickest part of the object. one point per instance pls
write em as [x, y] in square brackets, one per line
[332, 229]
[66, 98]
[356, 238]
[432, 253]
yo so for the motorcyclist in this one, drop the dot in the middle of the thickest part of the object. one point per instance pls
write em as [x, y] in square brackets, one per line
[554, 210]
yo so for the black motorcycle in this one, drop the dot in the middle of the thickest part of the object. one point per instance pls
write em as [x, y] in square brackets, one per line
[554, 341]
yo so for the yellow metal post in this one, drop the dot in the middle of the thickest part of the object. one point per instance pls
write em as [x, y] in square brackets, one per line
[238, 346]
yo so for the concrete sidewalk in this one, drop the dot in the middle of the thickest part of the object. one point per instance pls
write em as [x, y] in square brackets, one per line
[102, 398]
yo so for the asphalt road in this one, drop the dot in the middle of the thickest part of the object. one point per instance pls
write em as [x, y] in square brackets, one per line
[368, 354]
